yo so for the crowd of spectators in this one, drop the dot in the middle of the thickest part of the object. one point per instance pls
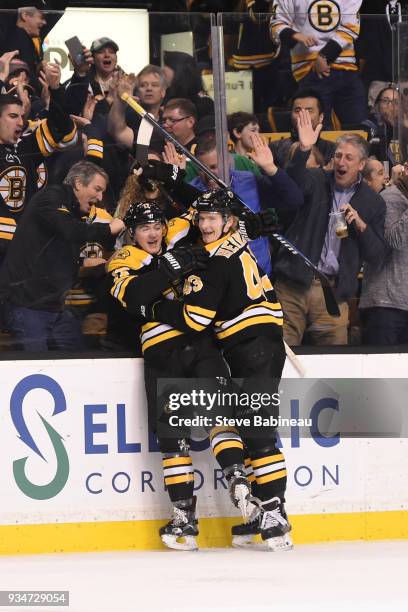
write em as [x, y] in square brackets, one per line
[333, 139]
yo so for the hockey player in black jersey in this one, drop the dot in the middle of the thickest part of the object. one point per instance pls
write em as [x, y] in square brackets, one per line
[140, 273]
[235, 299]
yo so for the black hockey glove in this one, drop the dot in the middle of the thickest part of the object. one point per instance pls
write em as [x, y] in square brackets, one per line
[259, 224]
[147, 310]
[182, 260]
[157, 171]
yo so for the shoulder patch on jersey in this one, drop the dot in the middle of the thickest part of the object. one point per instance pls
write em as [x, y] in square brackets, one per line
[123, 254]
[133, 257]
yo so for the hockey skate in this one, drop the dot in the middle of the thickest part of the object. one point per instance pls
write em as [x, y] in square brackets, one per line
[239, 489]
[180, 532]
[275, 526]
[243, 534]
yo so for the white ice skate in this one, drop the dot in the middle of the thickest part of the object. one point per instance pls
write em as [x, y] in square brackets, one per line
[275, 526]
[240, 492]
[181, 531]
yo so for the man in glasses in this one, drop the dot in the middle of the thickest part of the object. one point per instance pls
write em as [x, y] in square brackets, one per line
[179, 118]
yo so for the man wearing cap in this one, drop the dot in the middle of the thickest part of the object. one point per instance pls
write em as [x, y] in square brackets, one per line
[93, 76]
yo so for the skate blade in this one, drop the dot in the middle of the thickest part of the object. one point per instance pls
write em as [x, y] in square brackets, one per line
[279, 544]
[243, 541]
[242, 497]
[179, 542]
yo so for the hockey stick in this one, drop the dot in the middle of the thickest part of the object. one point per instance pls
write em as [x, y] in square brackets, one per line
[294, 359]
[329, 297]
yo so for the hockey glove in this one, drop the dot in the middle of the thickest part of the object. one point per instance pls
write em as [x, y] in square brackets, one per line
[147, 310]
[182, 260]
[157, 171]
[259, 224]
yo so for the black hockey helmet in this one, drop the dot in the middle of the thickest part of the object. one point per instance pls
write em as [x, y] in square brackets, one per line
[141, 213]
[216, 200]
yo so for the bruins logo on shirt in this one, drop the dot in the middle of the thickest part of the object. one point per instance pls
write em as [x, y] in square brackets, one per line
[324, 15]
[42, 175]
[91, 249]
[123, 254]
[13, 187]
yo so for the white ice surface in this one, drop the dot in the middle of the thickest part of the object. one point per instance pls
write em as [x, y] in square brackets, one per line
[351, 576]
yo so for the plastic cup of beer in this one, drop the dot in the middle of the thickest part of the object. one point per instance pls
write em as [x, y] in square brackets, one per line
[340, 223]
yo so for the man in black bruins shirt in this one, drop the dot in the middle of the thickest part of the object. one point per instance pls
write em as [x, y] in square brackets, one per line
[235, 298]
[42, 260]
[141, 273]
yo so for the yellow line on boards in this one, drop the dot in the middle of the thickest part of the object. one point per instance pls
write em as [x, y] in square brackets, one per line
[214, 532]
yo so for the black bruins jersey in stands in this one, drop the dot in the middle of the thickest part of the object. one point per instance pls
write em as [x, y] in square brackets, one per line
[136, 280]
[82, 293]
[233, 294]
[22, 168]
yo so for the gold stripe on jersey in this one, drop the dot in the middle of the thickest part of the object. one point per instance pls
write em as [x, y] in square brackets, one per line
[154, 333]
[95, 148]
[270, 468]
[256, 314]
[119, 287]
[46, 142]
[248, 323]
[223, 440]
[249, 471]
[228, 444]
[40, 142]
[173, 461]
[242, 62]
[184, 479]
[258, 463]
[344, 66]
[197, 318]
[70, 139]
[48, 135]
[178, 470]
[270, 477]
[79, 297]
[346, 36]
[353, 29]
[7, 228]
